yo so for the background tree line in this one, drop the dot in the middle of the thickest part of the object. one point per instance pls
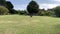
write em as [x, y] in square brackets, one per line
[6, 8]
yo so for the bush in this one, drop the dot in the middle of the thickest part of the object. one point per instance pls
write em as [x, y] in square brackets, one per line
[3, 10]
[13, 11]
[22, 12]
[49, 13]
[46, 13]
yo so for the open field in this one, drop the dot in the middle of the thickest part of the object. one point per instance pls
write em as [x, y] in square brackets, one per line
[16, 24]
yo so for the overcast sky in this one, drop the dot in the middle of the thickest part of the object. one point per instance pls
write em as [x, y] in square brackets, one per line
[46, 4]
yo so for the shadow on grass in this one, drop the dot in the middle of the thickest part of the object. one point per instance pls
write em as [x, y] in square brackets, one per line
[55, 17]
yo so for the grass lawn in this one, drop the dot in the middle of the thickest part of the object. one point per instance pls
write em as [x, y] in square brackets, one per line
[16, 24]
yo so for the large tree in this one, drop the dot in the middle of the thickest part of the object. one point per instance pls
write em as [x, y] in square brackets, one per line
[2, 2]
[57, 11]
[32, 8]
[10, 6]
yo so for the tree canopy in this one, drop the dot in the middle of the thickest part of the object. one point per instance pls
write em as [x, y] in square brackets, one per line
[32, 7]
[57, 11]
[9, 5]
[3, 10]
[2, 2]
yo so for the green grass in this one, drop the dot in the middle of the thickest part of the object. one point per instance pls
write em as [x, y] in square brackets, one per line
[16, 24]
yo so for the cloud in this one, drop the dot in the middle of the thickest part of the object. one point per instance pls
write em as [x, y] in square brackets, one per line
[48, 6]
[20, 7]
[41, 6]
[57, 0]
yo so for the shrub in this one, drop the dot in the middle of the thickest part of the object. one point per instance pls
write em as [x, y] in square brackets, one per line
[13, 11]
[3, 10]
[46, 13]
[49, 13]
[22, 12]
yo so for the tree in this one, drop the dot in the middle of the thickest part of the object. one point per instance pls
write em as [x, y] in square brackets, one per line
[2, 3]
[13, 11]
[10, 6]
[3, 10]
[57, 11]
[32, 8]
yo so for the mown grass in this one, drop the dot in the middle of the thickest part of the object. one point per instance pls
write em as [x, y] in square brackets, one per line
[16, 24]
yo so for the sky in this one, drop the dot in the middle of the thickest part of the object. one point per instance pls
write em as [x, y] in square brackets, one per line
[43, 4]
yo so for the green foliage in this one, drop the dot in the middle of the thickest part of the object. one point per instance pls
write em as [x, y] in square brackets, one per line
[9, 5]
[13, 11]
[3, 10]
[22, 12]
[49, 13]
[57, 11]
[33, 7]
[2, 2]
[46, 12]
